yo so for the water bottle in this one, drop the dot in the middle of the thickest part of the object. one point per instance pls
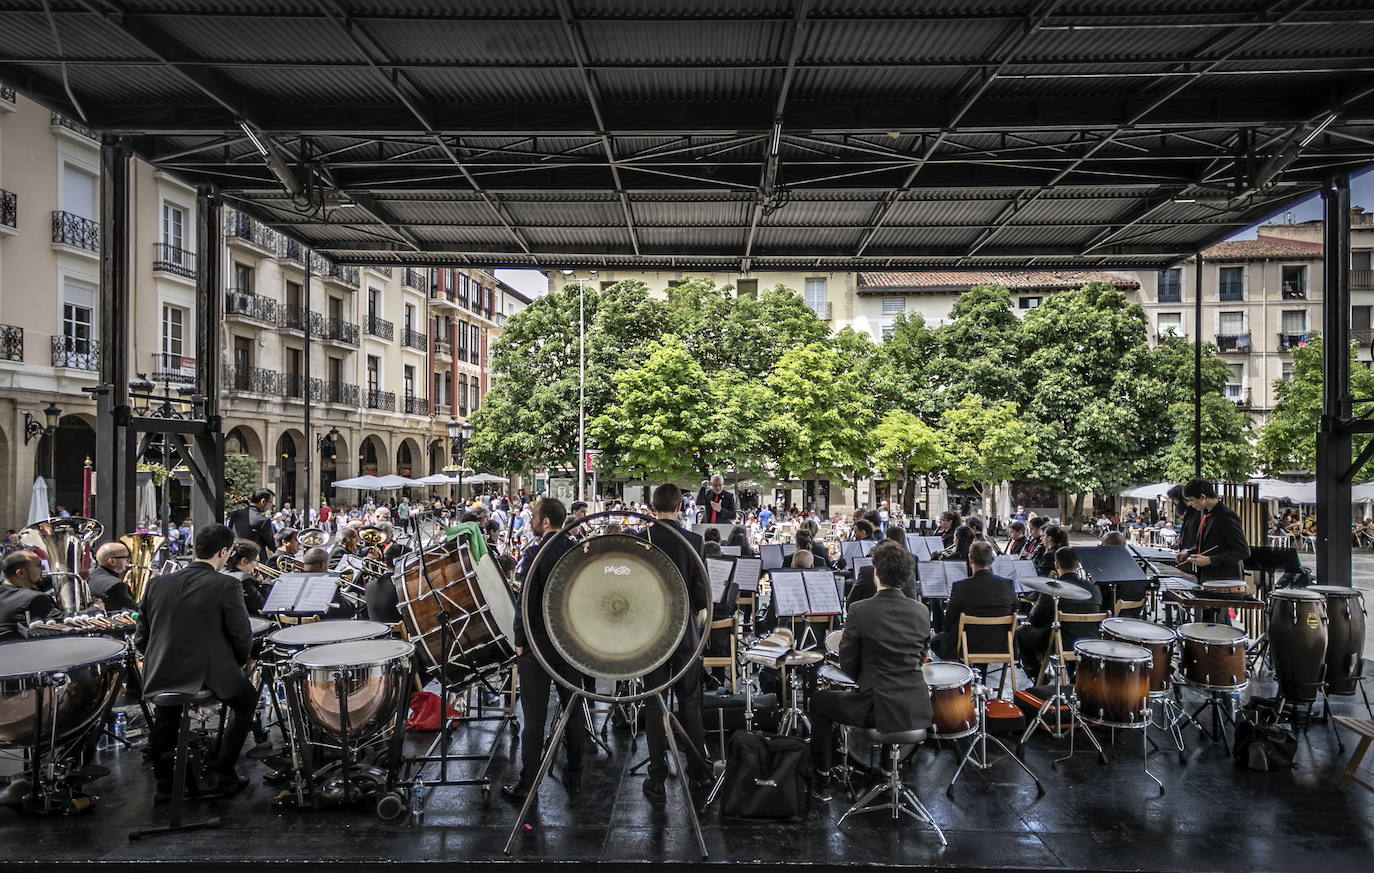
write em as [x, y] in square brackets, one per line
[121, 729]
[418, 791]
[103, 742]
[281, 692]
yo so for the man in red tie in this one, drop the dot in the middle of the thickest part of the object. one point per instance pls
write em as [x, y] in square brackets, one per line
[717, 504]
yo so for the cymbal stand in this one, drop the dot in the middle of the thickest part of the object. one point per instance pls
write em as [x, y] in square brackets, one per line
[1060, 701]
[977, 753]
[1172, 715]
[670, 724]
[794, 717]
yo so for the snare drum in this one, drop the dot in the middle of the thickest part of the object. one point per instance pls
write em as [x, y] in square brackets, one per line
[832, 677]
[951, 698]
[1213, 656]
[1112, 682]
[1157, 638]
[1297, 642]
[351, 691]
[832, 641]
[298, 637]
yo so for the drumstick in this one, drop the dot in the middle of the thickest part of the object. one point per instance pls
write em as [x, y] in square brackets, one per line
[1199, 554]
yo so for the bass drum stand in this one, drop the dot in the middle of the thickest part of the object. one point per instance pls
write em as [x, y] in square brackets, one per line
[580, 697]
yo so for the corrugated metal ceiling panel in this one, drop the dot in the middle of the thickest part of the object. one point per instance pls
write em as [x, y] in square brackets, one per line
[651, 85]
[684, 42]
[500, 86]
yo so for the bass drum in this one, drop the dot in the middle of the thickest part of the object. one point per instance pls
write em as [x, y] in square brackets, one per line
[93, 667]
[1345, 616]
[1297, 642]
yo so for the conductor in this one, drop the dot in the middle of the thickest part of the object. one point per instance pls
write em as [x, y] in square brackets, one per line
[251, 522]
[717, 503]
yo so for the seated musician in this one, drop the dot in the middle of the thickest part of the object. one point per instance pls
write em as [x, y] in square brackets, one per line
[806, 542]
[315, 560]
[1052, 539]
[949, 523]
[1129, 591]
[1032, 638]
[958, 550]
[107, 577]
[20, 600]
[193, 631]
[242, 564]
[711, 542]
[347, 544]
[864, 587]
[884, 642]
[863, 530]
[288, 546]
[1017, 543]
[983, 595]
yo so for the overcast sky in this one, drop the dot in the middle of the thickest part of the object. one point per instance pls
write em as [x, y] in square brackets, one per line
[534, 283]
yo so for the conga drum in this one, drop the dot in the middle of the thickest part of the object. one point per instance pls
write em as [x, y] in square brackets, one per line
[1112, 682]
[1297, 642]
[951, 697]
[1345, 619]
[1213, 656]
[1160, 641]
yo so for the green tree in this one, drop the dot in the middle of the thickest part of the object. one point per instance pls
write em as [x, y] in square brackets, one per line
[697, 312]
[1165, 404]
[821, 421]
[905, 364]
[977, 350]
[1288, 440]
[243, 474]
[742, 409]
[904, 444]
[984, 443]
[1226, 450]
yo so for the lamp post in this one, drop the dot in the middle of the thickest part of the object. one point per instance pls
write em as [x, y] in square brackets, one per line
[324, 444]
[52, 414]
[581, 380]
[459, 434]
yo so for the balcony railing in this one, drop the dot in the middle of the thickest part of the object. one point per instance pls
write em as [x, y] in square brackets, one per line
[9, 209]
[414, 278]
[443, 347]
[72, 230]
[414, 339]
[1236, 343]
[1239, 396]
[385, 271]
[293, 385]
[343, 275]
[1362, 280]
[252, 231]
[416, 405]
[1362, 334]
[1163, 335]
[60, 120]
[75, 354]
[339, 331]
[11, 343]
[174, 369]
[293, 317]
[250, 305]
[375, 399]
[325, 391]
[177, 261]
[379, 327]
[255, 380]
[1294, 292]
[1290, 341]
[290, 250]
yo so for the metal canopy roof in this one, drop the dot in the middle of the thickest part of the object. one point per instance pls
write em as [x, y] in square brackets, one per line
[812, 134]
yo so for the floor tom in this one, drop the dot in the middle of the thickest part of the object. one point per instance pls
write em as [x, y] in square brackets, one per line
[951, 687]
[1213, 656]
[1159, 639]
[1112, 682]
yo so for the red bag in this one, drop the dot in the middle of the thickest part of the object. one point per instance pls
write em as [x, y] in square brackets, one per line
[424, 711]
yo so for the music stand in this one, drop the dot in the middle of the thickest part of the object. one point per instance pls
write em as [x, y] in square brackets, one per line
[579, 695]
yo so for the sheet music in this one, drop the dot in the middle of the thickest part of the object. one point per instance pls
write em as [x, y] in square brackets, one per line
[302, 593]
[820, 591]
[772, 556]
[732, 551]
[789, 593]
[282, 596]
[719, 572]
[789, 549]
[933, 545]
[858, 564]
[934, 581]
[851, 549]
[915, 544]
[747, 572]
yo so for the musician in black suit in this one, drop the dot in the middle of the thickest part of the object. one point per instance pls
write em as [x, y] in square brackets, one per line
[347, 544]
[884, 642]
[251, 522]
[716, 504]
[864, 587]
[20, 599]
[1052, 539]
[1032, 639]
[1217, 548]
[1016, 543]
[193, 631]
[549, 517]
[107, 577]
[982, 595]
[665, 502]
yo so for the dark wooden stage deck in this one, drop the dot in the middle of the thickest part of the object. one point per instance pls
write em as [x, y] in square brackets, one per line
[1215, 817]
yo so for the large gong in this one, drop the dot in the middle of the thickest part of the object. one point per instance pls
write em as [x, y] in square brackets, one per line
[616, 607]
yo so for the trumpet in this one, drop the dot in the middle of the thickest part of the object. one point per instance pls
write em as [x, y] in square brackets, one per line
[268, 574]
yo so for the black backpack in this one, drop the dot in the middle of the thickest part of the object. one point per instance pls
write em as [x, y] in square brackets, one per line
[766, 777]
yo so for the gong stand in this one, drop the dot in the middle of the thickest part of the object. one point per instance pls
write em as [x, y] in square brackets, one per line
[448, 689]
[580, 696]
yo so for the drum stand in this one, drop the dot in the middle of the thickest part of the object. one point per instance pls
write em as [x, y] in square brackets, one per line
[794, 717]
[670, 724]
[977, 753]
[1220, 716]
[1172, 715]
[1060, 701]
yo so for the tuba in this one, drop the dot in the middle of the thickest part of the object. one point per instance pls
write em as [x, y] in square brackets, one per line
[143, 548]
[64, 542]
[312, 537]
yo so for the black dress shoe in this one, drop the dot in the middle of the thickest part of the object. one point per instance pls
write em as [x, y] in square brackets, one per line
[654, 790]
[515, 792]
[227, 784]
[572, 781]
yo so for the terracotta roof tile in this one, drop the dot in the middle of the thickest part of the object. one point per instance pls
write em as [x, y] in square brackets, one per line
[1263, 247]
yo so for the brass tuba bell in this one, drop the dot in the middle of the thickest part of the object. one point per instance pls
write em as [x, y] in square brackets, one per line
[64, 542]
[143, 548]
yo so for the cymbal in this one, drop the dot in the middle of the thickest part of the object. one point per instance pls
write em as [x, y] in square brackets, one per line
[1055, 588]
[804, 659]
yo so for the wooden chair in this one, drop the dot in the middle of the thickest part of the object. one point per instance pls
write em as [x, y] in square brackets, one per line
[1055, 647]
[1006, 658]
[1364, 727]
[730, 662]
[1123, 605]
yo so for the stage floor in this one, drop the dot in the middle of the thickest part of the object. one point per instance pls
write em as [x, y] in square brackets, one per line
[1214, 817]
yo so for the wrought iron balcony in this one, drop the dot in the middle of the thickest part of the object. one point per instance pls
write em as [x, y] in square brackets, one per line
[339, 331]
[347, 276]
[1233, 343]
[325, 391]
[1242, 399]
[176, 369]
[1177, 334]
[254, 380]
[293, 386]
[249, 230]
[416, 405]
[385, 271]
[414, 339]
[379, 327]
[414, 278]
[75, 354]
[1290, 341]
[375, 399]
[290, 250]
[70, 229]
[177, 261]
[9, 209]
[1294, 292]
[1362, 280]
[11, 343]
[1362, 335]
[60, 120]
[443, 347]
[293, 317]
[249, 305]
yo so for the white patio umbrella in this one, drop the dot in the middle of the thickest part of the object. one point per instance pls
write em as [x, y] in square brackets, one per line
[437, 479]
[1148, 491]
[38, 501]
[147, 504]
[360, 483]
[394, 480]
[484, 479]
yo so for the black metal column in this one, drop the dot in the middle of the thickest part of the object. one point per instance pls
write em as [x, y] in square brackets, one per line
[1333, 439]
[115, 465]
[208, 507]
[307, 451]
[1197, 365]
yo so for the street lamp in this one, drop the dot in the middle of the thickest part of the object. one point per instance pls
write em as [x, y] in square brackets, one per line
[33, 430]
[581, 380]
[459, 434]
[324, 444]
